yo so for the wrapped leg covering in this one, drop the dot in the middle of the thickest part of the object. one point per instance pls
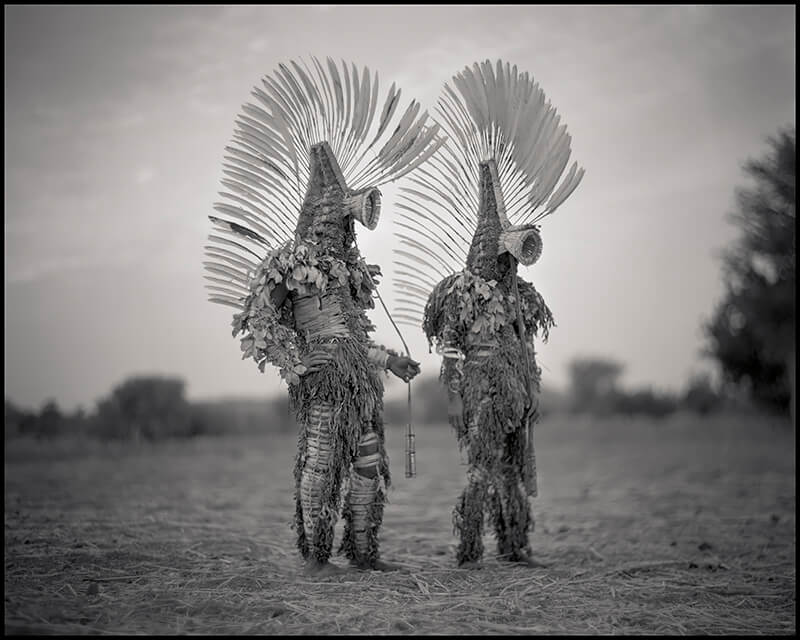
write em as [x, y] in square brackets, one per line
[317, 496]
[363, 510]
[332, 407]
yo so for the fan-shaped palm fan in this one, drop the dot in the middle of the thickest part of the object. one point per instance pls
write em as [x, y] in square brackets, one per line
[504, 143]
[268, 163]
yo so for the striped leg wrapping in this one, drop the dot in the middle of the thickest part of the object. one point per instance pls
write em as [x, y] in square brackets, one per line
[363, 511]
[316, 515]
[369, 457]
[362, 496]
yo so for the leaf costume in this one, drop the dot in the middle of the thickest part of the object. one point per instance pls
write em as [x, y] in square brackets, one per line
[297, 176]
[469, 217]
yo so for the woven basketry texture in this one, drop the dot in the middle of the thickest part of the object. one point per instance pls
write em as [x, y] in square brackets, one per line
[321, 215]
[483, 252]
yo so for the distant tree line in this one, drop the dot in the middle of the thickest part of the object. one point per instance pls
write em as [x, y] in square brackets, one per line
[594, 389]
[48, 422]
[153, 408]
[150, 408]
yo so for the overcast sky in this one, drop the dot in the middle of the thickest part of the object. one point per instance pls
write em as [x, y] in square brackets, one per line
[116, 118]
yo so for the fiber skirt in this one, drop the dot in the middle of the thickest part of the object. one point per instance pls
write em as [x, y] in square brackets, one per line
[495, 398]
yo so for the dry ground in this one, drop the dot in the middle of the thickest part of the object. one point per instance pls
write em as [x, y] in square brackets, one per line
[677, 527]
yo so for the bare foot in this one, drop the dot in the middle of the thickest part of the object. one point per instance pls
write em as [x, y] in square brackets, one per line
[322, 569]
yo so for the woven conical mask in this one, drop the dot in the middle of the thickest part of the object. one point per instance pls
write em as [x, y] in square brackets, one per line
[494, 234]
[504, 167]
[329, 204]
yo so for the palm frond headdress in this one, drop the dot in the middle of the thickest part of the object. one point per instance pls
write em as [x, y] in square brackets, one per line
[314, 131]
[483, 194]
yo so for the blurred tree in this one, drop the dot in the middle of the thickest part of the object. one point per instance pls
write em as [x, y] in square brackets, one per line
[47, 423]
[751, 332]
[51, 421]
[701, 397]
[16, 418]
[593, 383]
[643, 402]
[151, 407]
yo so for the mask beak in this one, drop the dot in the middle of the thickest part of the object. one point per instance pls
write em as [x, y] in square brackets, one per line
[524, 243]
[364, 206]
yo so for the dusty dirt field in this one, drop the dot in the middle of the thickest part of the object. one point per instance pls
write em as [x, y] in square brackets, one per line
[680, 527]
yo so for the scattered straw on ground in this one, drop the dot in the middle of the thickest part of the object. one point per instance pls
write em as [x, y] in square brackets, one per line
[652, 534]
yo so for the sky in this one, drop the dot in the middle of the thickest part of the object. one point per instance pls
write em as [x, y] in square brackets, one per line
[116, 119]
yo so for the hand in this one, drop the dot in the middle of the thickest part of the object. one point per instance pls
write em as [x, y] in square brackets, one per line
[315, 360]
[455, 411]
[403, 367]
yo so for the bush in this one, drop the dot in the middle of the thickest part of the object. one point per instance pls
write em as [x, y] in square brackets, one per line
[49, 423]
[18, 420]
[701, 397]
[593, 384]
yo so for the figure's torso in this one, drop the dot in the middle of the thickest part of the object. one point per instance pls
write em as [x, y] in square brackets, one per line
[321, 317]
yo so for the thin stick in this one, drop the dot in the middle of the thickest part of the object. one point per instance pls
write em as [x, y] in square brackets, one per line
[411, 450]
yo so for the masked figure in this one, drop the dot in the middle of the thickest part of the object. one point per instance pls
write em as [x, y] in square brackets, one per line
[285, 256]
[470, 218]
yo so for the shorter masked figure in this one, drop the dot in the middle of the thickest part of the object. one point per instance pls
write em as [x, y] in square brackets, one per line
[471, 219]
[491, 376]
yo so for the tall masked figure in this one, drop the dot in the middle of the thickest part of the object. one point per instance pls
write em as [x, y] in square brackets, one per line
[470, 219]
[304, 166]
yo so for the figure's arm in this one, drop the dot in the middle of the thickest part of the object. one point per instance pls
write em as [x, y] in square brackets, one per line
[538, 317]
[440, 328]
[451, 376]
[363, 278]
[378, 355]
[403, 367]
[268, 324]
[538, 321]
[363, 281]
[452, 362]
